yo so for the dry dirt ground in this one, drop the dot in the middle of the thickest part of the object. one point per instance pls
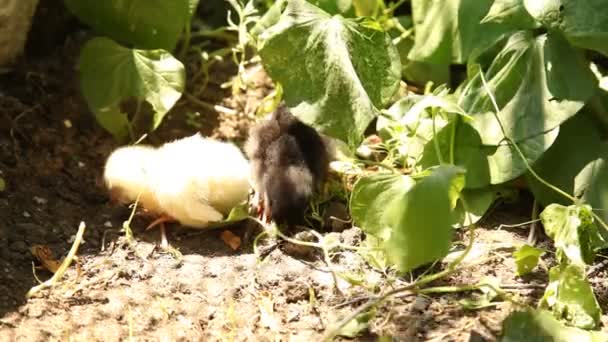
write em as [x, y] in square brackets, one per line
[51, 158]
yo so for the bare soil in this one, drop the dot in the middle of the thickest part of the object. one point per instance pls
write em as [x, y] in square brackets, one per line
[51, 157]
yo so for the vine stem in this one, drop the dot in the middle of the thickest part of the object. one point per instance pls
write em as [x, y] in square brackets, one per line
[521, 155]
[512, 142]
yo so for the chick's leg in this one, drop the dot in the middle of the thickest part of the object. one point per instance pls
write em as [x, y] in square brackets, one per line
[161, 223]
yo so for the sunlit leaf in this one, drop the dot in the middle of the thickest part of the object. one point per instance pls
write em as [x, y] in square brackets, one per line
[340, 70]
[449, 31]
[148, 24]
[357, 325]
[575, 235]
[526, 258]
[541, 326]
[570, 296]
[583, 22]
[512, 13]
[420, 219]
[370, 197]
[110, 74]
[538, 82]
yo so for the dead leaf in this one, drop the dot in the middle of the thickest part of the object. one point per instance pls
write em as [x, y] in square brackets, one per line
[46, 258]
[231, 240]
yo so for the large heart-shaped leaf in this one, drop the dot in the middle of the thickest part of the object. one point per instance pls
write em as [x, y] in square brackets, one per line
[335, 72]
[539, 82]
[148, 24]
[369, 199]
[583, 22]
[110, 74]
[448, 31]
[570, 296]
[421, 219]
[412, 220]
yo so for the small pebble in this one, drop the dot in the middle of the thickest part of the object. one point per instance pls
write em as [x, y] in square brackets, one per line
[107, 224]
[81, 164]
[26, 214]
[67, 123]
[40, 200]
[420, 304]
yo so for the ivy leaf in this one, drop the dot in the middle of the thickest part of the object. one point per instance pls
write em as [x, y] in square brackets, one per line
[541, 326]
[575, 235]
[449, 31]
[570, 296]
[148, 24]
[538, 82]
[370, 197]
[335, 72]
[412, 220]
[526, 258]
[583, 22]
[512, 13]
[420, 219]
[110, 74]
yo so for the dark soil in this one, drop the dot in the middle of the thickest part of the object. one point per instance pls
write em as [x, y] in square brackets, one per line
[51, 157]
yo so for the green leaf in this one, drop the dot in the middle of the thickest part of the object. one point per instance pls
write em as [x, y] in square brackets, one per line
[335, 72]
[343, 7]
[192, 5]
[420, 219]
[148, 24]
[583, 22]
[564, 161]
[570, 296]
[541, 326]
[526, 258]
[370, 197]
[110, 74]
[357, 325]
[373, 253]
[575, 235]
[449, 31]
[538, 82]
[478, 201]
[512, 13]
[485, 164]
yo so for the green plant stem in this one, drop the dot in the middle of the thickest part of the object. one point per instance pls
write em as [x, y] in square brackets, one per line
[435, 140]
[390, 10]
[186, 41]
[514, 144]
[64, 265]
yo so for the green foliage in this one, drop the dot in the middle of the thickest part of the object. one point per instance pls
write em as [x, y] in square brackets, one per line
[583, 22]
[570, 296]
[338, 74]
[396, 209]
[526, 258]
[575, 235]
[335, 72]
[147, 24]
[111, 73]
[541, 326]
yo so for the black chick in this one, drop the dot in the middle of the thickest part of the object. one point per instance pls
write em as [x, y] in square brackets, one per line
[289, 162]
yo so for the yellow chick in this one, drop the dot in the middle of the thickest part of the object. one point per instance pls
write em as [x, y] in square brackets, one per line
[195, 181]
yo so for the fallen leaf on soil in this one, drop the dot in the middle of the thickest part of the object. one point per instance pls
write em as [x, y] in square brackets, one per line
[45, 256]
[231, 240]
